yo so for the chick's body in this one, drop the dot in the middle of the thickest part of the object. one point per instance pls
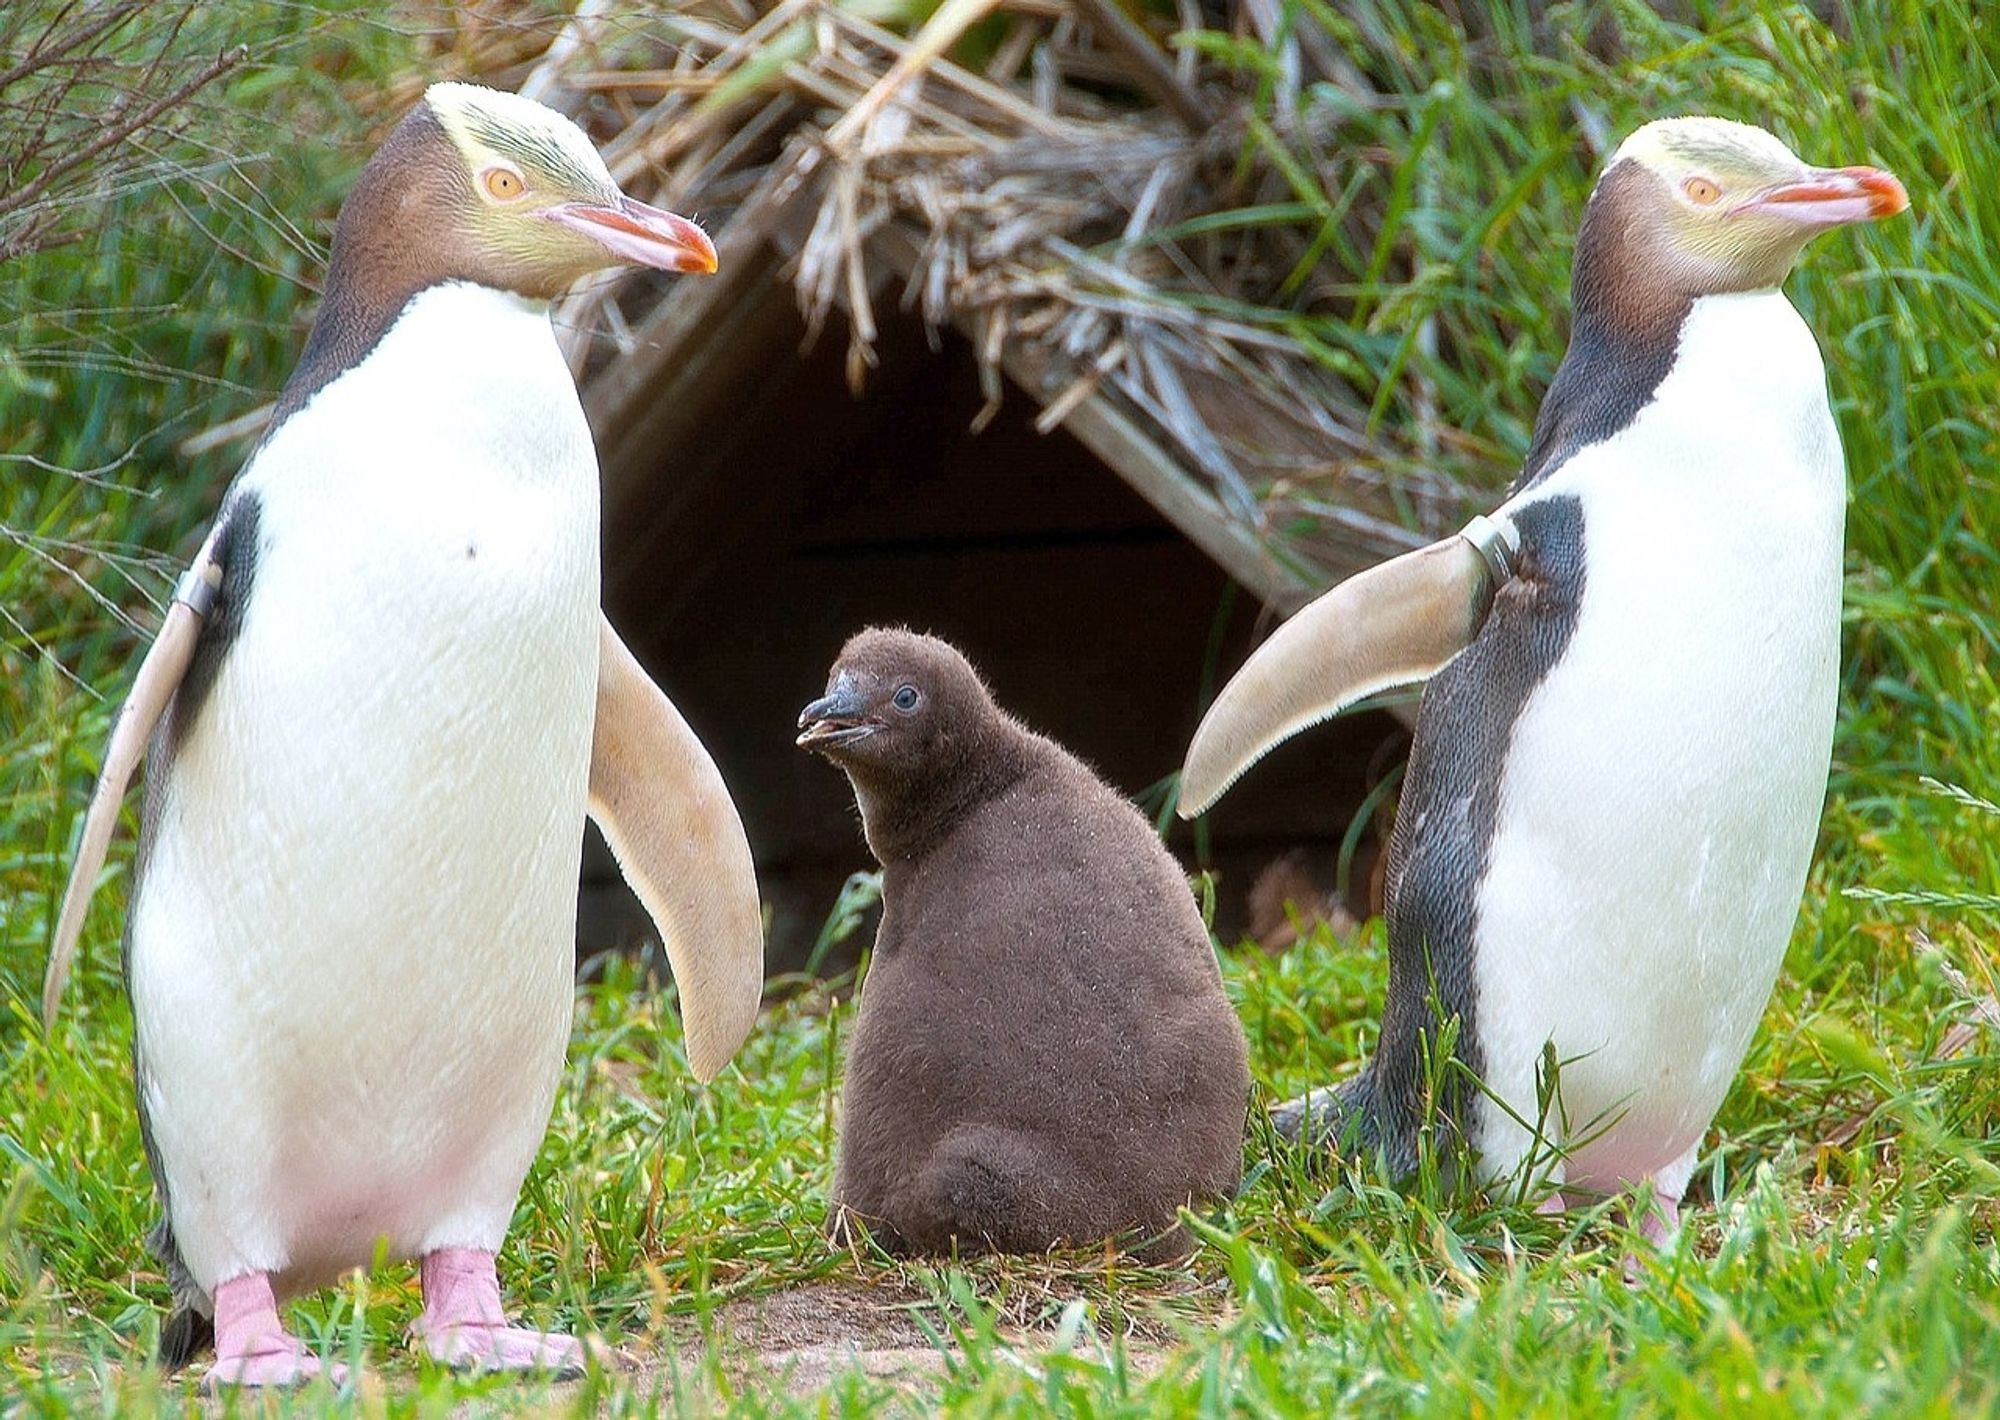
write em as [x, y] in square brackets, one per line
[1044, 1052]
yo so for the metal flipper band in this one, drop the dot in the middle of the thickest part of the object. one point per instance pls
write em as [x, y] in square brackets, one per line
[197, 591]
[1497, 540]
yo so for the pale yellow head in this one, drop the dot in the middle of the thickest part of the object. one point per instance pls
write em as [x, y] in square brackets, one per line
[538, 203]
[1726, 206]
[479, 185]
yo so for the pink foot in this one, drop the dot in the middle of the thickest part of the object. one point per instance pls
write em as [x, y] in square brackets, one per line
[252, 1347]
[1554, 1203]
[1660, 1222]
[464, 1326]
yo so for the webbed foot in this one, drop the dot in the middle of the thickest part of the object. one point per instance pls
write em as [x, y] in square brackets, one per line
[464, 1326]
[252, 1347]
[1319, 1117]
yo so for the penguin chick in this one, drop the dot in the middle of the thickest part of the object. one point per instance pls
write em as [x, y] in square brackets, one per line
[1623, 747]
[386, 699]
[1044, 1053]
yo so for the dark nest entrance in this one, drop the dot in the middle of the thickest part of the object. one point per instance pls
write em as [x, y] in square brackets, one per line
[795, 514]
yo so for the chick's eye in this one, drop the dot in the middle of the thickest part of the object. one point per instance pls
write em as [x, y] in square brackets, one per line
[907, 698]
[1701, 191]
[504, 184]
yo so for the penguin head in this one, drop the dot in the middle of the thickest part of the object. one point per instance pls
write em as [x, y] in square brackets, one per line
[1707, 206]
[898, 705]
[479, 185]
[918, 735]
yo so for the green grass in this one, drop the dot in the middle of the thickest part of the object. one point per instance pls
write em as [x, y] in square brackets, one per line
[1842, 1259]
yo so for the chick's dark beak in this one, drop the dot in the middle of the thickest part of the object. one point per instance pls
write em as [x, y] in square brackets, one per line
[839, 717]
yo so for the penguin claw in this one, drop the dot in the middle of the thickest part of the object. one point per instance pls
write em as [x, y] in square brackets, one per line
[481, 1346]
[1660, 1222]
[282, 1364]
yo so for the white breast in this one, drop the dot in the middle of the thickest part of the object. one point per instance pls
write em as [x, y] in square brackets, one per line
[352, 946]
[1663, 788]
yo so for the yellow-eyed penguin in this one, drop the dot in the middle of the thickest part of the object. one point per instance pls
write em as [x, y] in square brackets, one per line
[1623, 748]
[385, 701]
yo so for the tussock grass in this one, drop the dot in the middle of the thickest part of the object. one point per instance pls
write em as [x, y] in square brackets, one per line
[1843, 1257]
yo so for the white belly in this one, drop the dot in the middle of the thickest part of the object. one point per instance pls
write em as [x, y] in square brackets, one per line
[352, 946]
[1663, 788]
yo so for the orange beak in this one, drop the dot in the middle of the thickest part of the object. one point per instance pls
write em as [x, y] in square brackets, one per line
[642, 236]
[1834, 197]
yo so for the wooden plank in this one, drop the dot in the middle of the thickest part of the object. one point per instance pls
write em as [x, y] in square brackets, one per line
[1107, 429]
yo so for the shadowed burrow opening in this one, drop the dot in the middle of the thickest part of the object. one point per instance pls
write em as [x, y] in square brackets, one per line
[738, 562]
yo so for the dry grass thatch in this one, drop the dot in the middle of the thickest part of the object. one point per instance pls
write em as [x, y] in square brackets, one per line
[1103, 215]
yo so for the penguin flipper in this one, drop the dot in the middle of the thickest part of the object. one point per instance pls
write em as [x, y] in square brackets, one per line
[1392, 625]
[153, 689]
[669, 820]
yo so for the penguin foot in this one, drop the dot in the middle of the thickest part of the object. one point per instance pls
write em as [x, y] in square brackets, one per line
[252, 1347]
[280, 1362]
[475, 1346]
[1324, 1116]
[1660, 1222]
[1306, 1115]
[464, 1326]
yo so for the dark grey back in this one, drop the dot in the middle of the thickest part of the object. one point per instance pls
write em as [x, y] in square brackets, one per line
[188, 1329]
[1442, 843]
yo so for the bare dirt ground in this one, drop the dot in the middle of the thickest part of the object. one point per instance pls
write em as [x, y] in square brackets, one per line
[800, 1339]
[807, 1335]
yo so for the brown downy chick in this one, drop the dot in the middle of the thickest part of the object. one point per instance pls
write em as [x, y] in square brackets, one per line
[1044, 1053]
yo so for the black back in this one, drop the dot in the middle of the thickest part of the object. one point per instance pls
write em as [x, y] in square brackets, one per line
[189, 1328]
[1440, 848]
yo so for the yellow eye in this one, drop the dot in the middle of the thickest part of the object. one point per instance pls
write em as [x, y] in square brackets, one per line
[504, 184]
[1701, 191]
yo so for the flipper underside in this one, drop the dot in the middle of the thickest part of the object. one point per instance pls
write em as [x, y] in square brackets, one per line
[153, 690]
[668, 817]
[1392, 625]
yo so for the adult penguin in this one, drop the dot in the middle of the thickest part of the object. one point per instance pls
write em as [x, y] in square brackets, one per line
[1621, 754]
[385, 699]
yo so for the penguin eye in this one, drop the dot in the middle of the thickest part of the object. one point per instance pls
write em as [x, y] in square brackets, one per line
[504, 184]
[906, 698]
[1701, 191]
